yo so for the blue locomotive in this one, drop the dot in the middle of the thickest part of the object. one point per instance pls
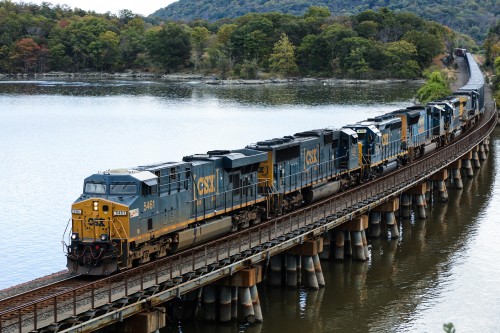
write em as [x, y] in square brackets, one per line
[126, 217]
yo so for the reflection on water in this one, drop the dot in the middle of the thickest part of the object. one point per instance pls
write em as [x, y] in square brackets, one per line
[268, 94]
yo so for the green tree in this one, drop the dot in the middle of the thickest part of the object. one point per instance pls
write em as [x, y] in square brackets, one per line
[311, 54]
[317, 12]
[132, 43]
[400, 59]
[199, 40]
[282, 59]
[428, 46]
[108, 44]
[434, 88]
[169, 46]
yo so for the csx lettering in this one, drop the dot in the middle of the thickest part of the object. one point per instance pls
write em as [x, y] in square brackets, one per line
[421, 124]
[149, 205]
[206, 185]
[312, 156]
[385, 139]
[96, 222]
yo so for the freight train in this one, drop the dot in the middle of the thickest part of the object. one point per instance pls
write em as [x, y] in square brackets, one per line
[126, 217]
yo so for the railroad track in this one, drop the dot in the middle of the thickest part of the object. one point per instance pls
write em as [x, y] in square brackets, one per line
[43, 292]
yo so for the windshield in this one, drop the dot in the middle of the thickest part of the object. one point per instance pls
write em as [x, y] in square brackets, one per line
[123, 188]
[95, 188]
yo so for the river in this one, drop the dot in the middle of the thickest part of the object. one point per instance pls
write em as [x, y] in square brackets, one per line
[54, 133]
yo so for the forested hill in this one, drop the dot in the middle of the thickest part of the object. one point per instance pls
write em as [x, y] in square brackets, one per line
[473, 17]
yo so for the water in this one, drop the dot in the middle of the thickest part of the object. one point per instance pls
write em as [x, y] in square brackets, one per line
[55, 133]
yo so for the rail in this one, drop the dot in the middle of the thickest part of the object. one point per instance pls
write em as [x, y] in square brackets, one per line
[192, 268]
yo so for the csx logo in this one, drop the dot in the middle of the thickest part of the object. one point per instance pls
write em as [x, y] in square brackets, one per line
[312, 156]
[385, 139]
[421, 125]
[206, 184]
[96, 222]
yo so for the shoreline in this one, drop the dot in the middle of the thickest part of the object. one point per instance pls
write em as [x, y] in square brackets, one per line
[203, 79]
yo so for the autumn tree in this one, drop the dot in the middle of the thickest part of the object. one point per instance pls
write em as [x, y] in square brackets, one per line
[26, 53]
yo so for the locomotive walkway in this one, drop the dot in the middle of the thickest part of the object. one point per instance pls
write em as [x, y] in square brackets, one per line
[95, 305]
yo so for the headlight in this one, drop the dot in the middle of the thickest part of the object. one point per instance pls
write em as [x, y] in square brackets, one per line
[76, 211]
[96, 205]
[74, 236]
[104, 237]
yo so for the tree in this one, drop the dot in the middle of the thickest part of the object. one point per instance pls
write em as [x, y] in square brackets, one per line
[311, 54]
[26, 53]
[169, 46]
[434, 88]
[108, 44]
[282, 59]
[428, 46]
[199, 40]
[400, 59]
[132, 40]
[317, 12]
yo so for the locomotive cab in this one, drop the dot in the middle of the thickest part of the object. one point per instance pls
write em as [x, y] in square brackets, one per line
[102, 216]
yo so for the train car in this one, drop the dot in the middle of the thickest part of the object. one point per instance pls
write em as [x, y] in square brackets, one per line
[345, 167]
[474, 90]
[380, 141]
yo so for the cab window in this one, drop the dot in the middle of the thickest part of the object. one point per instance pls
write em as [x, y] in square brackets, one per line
[123, 188]
[95, 188]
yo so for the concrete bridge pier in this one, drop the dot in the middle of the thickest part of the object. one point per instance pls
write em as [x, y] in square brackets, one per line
[311, 280]
[365, 243]
[405, 211]
[428, 191]
[388, 210]
[418, 194]
[318, 270]
[190, 305]
[375, 218]
[327, 251]
[339, 244]
[482, 152]
[275, 275]
[356, 228]
[309, 251]
[475, 158]
[440, 179]
[145, 322]
[291, 270]
[234, 303]
[457, 177]
[347, 244]
[421, 204]
[209, 303]
[486, 144]
[244, 283]
[467, 164]
[225, 304]
[254, 293]
[247, 310]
